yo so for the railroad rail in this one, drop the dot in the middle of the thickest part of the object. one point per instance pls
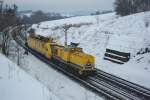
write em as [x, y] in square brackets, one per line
[134, 89]
[104, 84]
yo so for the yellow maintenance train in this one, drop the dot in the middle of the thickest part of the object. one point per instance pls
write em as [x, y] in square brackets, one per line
[71, 55]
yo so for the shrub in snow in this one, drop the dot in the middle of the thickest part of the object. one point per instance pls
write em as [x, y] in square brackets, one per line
[144, 50]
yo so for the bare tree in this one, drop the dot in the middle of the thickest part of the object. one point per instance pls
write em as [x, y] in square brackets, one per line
[8, 18]
[5, 41]
[1, 5]
[127, 7]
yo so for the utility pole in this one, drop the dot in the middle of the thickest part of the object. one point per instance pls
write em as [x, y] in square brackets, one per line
[66, 28]
[65, 38]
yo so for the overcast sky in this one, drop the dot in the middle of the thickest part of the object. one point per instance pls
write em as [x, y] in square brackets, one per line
[64, 5]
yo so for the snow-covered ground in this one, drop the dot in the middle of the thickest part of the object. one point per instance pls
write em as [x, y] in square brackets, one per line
[58, 84]
[96, 33]
[15, 84]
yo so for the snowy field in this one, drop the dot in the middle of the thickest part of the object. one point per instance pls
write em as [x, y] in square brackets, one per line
[15, 84]
[96, 33]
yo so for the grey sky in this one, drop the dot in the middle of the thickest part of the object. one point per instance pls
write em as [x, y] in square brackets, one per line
[64, 5]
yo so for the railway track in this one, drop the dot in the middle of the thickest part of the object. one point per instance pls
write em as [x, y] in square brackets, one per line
[104, 84]
[134, 89]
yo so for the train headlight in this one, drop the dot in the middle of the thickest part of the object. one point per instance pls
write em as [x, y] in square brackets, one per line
[88, 63]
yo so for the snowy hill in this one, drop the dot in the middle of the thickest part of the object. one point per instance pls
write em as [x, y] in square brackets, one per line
[96, 33]
[15, 84]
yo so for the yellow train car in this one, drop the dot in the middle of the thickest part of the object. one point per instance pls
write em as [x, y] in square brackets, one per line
[71, 55]
[41, 45]
[84, 63]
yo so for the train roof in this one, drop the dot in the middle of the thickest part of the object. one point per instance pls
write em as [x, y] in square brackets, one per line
[42, 38]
